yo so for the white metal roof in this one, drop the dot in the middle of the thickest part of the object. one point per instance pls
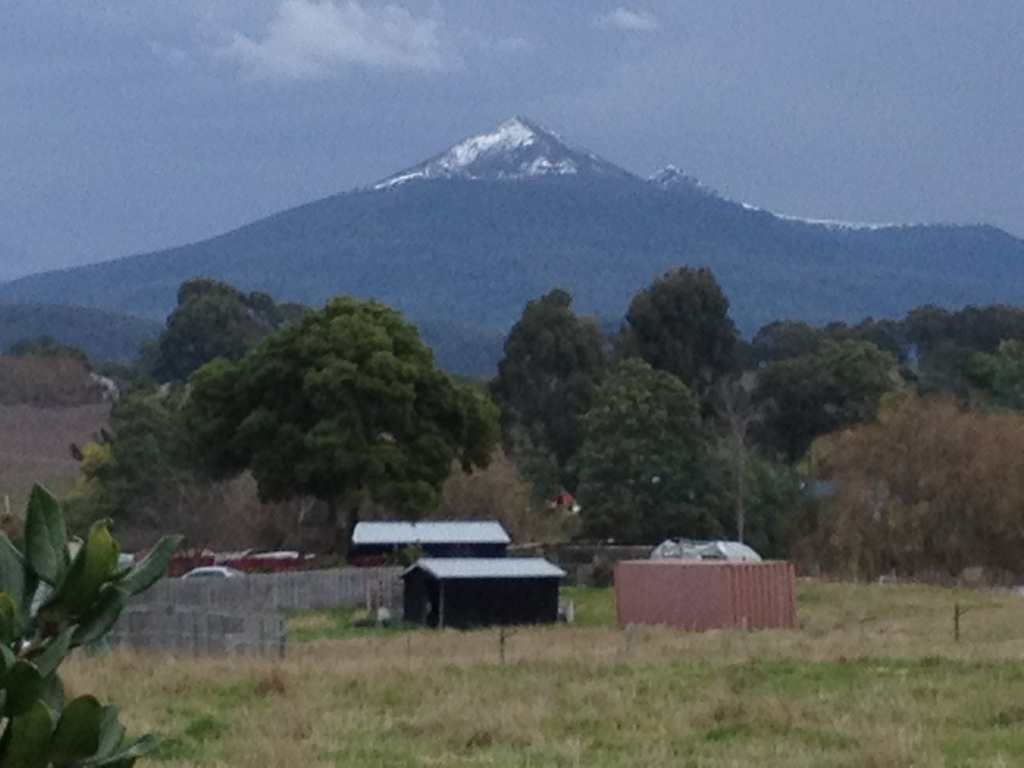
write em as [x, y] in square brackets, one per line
[404, 532]
[489, 568]
[704, 550]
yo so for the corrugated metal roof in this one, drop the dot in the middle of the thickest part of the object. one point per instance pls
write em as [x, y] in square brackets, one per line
[404, 532]
[688, 549]
[489, 568]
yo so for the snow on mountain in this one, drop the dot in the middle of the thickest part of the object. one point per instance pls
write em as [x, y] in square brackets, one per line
[836, 224]
[521, 149]
[516, 149]
[671, 178]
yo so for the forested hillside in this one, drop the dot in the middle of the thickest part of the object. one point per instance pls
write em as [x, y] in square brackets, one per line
[100, 333]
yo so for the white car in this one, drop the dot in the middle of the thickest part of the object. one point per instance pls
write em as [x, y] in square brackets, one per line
[213, 572]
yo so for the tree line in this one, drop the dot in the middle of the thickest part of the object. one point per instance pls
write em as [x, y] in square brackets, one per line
[670, 425]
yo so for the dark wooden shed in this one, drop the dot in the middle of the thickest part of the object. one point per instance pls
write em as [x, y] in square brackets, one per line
[468, 592]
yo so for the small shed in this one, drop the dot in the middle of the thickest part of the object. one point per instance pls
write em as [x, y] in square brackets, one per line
[373, 539]
[477, 592]
[704, 594]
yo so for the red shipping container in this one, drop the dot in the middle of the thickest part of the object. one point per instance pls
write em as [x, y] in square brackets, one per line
[704, 594]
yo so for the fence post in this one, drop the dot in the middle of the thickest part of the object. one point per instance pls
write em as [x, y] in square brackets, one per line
[956, 622]
[627, 639]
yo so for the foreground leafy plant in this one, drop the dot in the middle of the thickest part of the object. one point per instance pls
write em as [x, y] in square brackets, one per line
[55, 596]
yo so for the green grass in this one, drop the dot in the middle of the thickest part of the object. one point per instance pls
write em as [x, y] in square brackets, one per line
[338, 624]
[594, 607]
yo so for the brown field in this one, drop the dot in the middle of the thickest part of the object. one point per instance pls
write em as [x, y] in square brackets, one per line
[34, 445]
[872, 677]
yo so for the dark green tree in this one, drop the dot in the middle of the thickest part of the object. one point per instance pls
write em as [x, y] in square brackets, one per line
[643, 460]
[765, 490]
[344, 404]
[546, 380]
[811, 395]
[999, 376]
[781, 339]
[214, 319]
[49, 347]
[681, 324]
[135, 470]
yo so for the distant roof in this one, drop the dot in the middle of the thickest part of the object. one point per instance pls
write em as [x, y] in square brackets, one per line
[404, 532]
[488, 568]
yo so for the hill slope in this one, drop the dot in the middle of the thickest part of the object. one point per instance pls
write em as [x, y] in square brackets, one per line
[466, 242]
[101, 334]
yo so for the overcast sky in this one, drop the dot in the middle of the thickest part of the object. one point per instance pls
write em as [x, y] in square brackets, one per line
[128, 126]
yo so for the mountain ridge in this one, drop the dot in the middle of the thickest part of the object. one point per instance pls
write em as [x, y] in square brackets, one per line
[467, 245]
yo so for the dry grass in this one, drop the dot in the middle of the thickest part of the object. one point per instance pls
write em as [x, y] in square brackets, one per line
[873, 677]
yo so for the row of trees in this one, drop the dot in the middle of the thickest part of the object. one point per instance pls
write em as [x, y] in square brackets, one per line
[672, 425]
[658, 429]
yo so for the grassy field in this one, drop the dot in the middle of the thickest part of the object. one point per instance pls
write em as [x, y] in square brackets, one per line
[872, 677]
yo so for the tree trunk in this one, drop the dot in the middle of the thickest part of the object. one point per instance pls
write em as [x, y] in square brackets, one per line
[741, 468]
[343, 519]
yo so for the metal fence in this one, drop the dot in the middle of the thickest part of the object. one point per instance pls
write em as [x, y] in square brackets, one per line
[292, 591]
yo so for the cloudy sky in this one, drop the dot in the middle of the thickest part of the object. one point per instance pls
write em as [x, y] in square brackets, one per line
[128, 126]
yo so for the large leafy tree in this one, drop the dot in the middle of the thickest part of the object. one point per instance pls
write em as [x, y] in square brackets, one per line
[546, 380]
[999, 376]
[781, 339]
[643, 460]
[140, 469]
[344, 404]
[214, 319]
[928, 488]
[813, 394]
[681, 324]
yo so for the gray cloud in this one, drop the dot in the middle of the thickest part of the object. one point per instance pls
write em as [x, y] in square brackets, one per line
[628, 20]
[310, 40]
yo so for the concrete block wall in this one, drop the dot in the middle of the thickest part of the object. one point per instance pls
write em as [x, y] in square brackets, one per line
[200, 630]
[243, 615]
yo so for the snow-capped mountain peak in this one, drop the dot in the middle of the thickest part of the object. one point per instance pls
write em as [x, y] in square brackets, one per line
[516, 149]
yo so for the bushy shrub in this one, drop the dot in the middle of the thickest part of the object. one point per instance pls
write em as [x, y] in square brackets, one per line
[57, 595]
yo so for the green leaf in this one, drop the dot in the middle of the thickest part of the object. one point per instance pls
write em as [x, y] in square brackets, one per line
[126, 753]
[30, 735]
[77, 735]
[23, 684]
[46, 538]
[152, 568]
[54, 653]
[8, 618]
[94, 562]
[101, 616]
[12, 569]
[7, 659]
[111, 735]
[52, 693]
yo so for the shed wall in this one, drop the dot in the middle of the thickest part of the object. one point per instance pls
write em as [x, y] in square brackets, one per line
[479, 602]
[703, 595]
